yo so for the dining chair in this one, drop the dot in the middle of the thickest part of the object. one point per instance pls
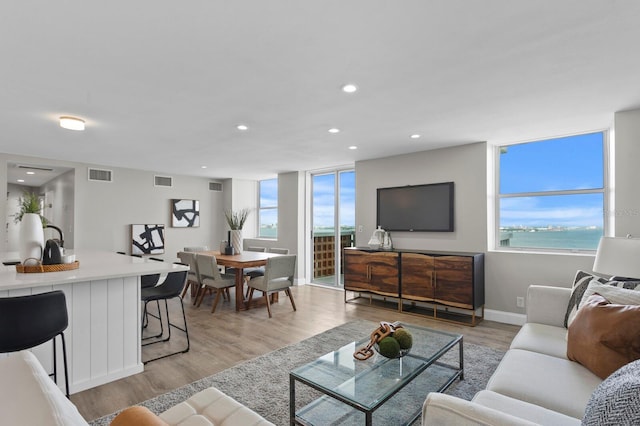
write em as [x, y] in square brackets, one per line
[253, 271]
[278, 276]
[28, 321]
[189, 258]
[259, 271]
[168, 289]
[209, 277]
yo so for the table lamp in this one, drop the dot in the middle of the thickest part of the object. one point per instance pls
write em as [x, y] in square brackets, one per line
[619, 257]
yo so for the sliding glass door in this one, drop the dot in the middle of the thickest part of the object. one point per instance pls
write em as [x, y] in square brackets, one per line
[333, 224]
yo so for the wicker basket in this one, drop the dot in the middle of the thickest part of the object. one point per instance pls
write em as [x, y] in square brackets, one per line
[39, 268]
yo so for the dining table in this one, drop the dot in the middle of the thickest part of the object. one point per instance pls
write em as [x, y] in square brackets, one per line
[239, 261]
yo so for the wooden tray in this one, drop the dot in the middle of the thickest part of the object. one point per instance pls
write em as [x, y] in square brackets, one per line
[26, 269]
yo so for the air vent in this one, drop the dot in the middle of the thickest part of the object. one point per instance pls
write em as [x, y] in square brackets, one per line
[166, 181]
[215, 186]
[42, 169]
[100, 175]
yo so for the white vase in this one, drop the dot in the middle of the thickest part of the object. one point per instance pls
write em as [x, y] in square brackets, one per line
[31, 238]
[236, 240]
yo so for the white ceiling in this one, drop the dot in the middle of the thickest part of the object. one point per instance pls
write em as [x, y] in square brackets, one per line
[162, 84]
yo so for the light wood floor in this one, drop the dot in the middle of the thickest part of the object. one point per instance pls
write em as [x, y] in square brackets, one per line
[225, 338]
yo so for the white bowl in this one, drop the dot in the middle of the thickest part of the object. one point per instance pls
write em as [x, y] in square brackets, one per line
[68, 258]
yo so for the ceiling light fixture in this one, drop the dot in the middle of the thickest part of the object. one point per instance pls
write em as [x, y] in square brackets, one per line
[353, 147]
[203, 167]
[349, 88]
[334, 130]
[242, 127]
[21, 180]
[415, 136]
[71, 123]
[31, 173]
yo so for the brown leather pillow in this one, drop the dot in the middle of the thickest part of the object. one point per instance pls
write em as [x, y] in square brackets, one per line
[603, 336]
[137, 416]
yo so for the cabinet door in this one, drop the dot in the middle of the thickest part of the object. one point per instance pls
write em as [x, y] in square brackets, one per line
[376, 272]
[417, 277]
[454, 281]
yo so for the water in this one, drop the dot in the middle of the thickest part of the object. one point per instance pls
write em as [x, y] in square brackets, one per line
[581, 239]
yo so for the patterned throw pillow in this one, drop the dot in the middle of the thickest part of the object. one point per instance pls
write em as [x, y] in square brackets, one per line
[616, 401]
[580, 284]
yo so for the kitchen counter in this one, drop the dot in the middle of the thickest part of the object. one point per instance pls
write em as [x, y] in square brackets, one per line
[104, 308]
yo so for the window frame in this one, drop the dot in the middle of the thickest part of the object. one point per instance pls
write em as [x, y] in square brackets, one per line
[262, 208]
[608, 220]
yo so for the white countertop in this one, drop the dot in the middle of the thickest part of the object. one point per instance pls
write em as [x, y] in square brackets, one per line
[94, 265]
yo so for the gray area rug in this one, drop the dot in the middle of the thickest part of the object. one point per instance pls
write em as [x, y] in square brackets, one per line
[262, 383]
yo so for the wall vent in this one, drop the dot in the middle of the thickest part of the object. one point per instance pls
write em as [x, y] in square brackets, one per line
[166, 181]
[100, 175]
[215, 186]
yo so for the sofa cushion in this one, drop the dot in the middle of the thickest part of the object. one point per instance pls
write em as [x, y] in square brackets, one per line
[30, 396]
[580, 283]
[614, 294]
[523, 410]
[551, 382]
[212, 407]
[604, 336]
[541, 338]
[616, 401]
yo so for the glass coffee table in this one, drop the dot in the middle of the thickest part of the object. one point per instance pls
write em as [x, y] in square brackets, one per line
[388, 391]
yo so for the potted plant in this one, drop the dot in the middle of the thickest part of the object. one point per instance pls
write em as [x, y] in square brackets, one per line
[236, 220]
[31, 237]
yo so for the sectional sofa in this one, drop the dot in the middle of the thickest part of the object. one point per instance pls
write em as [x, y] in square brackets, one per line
[535, 383]
[29, 397]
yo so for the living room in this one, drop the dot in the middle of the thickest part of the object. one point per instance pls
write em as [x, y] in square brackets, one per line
[102, 212]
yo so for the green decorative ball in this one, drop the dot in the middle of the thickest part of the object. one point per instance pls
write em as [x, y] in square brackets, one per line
[404, 338]
[389, 347]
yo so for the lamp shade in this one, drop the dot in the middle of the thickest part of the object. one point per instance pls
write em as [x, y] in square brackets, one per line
[618, 256]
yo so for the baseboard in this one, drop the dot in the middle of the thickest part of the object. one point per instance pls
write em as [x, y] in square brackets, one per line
[504, 317]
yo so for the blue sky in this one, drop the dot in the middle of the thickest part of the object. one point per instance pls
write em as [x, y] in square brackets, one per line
[324, 196]
[574, 162]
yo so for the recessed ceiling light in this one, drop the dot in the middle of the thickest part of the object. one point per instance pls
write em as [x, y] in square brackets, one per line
[334, 130]
[31, 173]
[203, 167]
[353, 147]
[242, 127]
[21, 180]
[349, 88]
[415, 136]
[71, 123]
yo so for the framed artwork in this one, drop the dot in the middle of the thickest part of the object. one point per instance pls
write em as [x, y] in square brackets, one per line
[147, 239]
[185, 213]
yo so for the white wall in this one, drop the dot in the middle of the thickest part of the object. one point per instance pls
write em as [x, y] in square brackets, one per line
[627, 174]
[507, 275]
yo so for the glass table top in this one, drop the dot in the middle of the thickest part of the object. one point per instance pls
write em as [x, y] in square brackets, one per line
[368, 383]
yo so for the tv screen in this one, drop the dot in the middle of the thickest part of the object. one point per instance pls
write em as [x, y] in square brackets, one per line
[425, 208]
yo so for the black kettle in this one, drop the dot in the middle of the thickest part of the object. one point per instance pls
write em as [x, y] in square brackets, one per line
[52, 253]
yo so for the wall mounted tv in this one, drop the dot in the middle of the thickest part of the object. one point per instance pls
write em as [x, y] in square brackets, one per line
[416, 208]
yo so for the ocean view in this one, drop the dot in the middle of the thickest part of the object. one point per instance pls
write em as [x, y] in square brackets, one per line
[580, 238]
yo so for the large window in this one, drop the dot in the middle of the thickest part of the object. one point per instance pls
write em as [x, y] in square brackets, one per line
[552, 193]
[268, 209]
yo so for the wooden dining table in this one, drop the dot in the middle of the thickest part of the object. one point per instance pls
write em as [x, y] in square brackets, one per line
[246, 259]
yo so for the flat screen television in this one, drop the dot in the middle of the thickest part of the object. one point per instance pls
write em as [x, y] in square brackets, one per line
[416, 208]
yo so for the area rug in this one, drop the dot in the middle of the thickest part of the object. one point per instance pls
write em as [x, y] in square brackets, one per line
[262, 383]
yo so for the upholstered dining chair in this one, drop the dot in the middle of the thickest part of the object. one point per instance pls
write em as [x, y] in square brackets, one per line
[189, 258]
[209, 277]
[278, 276]
[28, 321]
[259, 271]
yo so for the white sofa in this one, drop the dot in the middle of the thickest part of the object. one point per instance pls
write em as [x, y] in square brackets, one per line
[29, 397]
[534, 383]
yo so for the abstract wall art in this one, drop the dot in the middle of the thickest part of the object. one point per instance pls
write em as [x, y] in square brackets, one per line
[147, 239]
[185, 213]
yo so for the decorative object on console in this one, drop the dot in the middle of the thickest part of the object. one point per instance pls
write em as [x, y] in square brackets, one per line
[147, 239]
[236, 220]
[390, 340]
[185, 213]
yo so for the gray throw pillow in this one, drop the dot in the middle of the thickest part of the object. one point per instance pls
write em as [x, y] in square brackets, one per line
[616, 401]
[580, 284]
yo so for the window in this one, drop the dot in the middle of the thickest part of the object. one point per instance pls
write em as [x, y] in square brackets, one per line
[268, 209]
[552, 193]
